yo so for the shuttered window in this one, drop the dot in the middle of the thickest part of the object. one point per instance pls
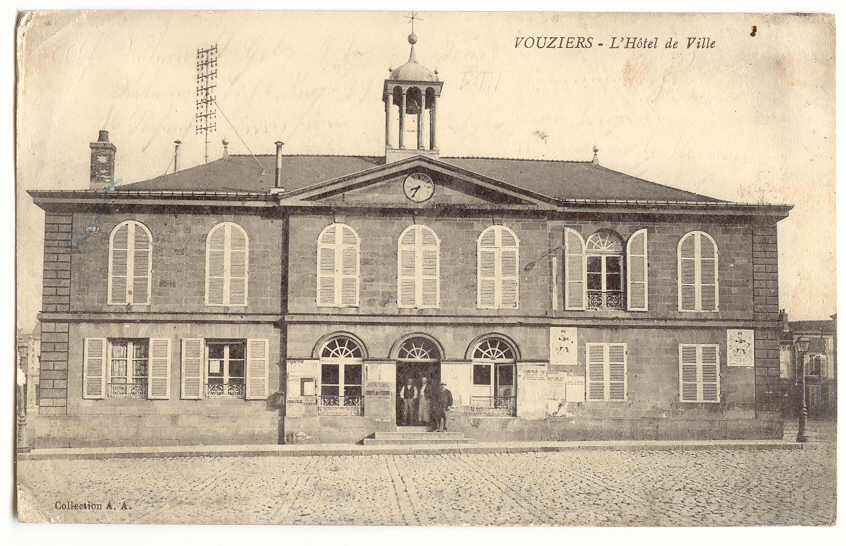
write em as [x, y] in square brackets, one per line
[130, 264]
[575, 295]
[497, 269]
[699, 373]
[418, 268]
[235, 369]
[227, 265]
[698, 279]
[126, 368]
[637, 285]
[338, 267]
[606, 371]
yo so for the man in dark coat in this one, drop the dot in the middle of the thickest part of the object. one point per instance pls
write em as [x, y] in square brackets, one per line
[441, 402]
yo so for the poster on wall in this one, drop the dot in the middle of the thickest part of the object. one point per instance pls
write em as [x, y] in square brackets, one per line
[563, 350]
[740, 346]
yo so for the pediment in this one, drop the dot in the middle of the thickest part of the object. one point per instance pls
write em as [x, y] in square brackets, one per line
[394, 184]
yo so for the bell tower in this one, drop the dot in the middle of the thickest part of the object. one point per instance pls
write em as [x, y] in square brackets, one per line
[411, 95]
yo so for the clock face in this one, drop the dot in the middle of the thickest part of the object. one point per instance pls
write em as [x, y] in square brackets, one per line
[418, 187]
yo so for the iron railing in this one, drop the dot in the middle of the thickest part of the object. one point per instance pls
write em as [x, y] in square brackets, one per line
[133, 391]
[609, 299]
[225, 390]
[493, 405]
[332, 404]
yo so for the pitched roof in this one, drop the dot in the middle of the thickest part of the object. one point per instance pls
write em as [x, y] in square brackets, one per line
[555, 179]
[811, 326]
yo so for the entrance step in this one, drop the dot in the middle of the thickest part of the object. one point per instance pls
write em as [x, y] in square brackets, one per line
[416, 438]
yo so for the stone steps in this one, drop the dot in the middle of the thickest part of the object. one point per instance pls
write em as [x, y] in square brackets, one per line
[416, 437]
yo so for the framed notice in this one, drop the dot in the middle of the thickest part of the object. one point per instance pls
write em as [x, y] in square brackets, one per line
[563, 348]
[740, 347]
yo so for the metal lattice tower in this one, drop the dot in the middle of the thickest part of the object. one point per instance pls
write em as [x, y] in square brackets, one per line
[206, 115]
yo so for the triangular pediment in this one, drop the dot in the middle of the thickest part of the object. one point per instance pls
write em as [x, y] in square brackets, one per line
[417, 182]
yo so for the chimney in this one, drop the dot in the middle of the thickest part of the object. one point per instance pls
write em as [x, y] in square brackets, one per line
[176, 144]
[102, 162]
[225, 148]
[595, 155]
[278, 180]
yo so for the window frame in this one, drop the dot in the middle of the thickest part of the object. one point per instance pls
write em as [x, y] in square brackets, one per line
[418, 248]
[130, 366]
[225, 361]
[697, 269]
[498, 277]
[129, 295]
[338, 275]
[342, 363]
[227, 265]
[700, 399]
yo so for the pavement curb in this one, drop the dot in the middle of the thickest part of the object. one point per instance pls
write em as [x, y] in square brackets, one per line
[309, 450]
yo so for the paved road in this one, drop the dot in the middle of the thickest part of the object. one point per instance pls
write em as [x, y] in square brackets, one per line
[700, 487]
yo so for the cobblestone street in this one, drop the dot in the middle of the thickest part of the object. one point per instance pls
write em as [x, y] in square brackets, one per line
[591, 487]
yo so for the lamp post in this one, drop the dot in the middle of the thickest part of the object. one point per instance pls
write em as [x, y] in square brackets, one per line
[802, 346]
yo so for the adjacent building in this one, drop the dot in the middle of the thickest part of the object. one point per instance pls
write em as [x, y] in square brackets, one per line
[283, 298]
[818, 361]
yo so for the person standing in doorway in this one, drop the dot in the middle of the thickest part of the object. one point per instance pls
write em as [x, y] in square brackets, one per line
[424, 401]
[443, 403]
[408, 394]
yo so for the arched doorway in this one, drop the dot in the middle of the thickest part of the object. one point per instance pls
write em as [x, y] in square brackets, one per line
[418, 361]
[494, 377]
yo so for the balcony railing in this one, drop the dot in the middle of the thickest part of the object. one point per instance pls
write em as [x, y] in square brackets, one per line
[225, 390]
[493, 405]
[339, 405]
[610, 299]
[134, 391]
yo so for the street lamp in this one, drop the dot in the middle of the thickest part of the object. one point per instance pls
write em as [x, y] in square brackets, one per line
[802, 346]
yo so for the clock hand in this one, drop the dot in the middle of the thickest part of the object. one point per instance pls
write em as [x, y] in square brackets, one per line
[413, 191]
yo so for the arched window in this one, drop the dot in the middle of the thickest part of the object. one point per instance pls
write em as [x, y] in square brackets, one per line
[340, 376]
[227, 265]
[697, 273]
[130, 263]
[418, 268]
[493, 389]
[338, 266]
[497, 274]
[419, 349]
[604, 270]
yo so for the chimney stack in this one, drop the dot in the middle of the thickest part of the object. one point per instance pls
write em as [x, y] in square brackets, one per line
[102, 162]
[176, 144]
[225, 148]
[278, 180]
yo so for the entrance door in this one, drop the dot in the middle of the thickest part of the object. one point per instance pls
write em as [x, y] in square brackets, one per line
[418, 357]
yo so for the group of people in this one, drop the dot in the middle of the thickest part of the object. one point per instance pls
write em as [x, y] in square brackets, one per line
[424, 404]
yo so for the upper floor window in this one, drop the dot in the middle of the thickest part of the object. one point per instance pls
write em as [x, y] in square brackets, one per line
[338, 266]
[697, 269]
[130, 263]
[418, 268]
[227, 265]
[498, 262]
[595, 274]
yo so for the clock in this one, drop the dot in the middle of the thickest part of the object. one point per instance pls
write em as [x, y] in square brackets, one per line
[418, 187]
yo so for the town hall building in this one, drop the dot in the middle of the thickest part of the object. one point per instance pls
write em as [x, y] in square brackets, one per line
[288, 298]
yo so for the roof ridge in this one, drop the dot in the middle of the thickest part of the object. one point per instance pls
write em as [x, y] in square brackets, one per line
[587, 162]
[308, 155]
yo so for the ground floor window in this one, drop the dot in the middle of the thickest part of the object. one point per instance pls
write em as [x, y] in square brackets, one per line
[128, 364]
[606, 371]
[493, 389]
[699, 373]
[340, 377]
[225, 361]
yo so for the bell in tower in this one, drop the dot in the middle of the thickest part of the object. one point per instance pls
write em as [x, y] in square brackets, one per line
[411, 95]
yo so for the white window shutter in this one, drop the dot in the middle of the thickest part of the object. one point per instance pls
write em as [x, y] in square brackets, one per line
[509, 278]
[575, 287]
[238, 265]
[710, 374]
[707, 273]
[94, 368]
[216, 265]
[325, 275]
[687, 273]
[158, 373]
[407, 269]
[486, 278]
[430, 277]
[688, 373]
[595, 371]
[617, 383]
[118, 265]
[192, 368]
[349, 276]
[637, 288]
[257, 369]
[141, 266]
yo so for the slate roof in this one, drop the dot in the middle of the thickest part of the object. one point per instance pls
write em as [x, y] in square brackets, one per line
[811, 326]
[555, 179]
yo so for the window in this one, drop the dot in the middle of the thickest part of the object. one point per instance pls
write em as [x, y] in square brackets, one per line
[815, 365]
[126, 368]
[604, 250]
[419, 349]
[337, 267]
[227, 265]
[130, 263]
[698, 273]
[340, 377]
[418, 268]
[225, 368]
[497, 275]
[699, 373]
[637, 279]
[606, 371]
[493, 389]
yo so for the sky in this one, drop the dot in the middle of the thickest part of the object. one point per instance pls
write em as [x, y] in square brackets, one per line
[750, 120]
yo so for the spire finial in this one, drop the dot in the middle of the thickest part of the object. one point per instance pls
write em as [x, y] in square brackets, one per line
[595, 155]
[412, 38]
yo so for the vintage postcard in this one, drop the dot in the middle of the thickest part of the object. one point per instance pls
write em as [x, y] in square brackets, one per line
[425, 268]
